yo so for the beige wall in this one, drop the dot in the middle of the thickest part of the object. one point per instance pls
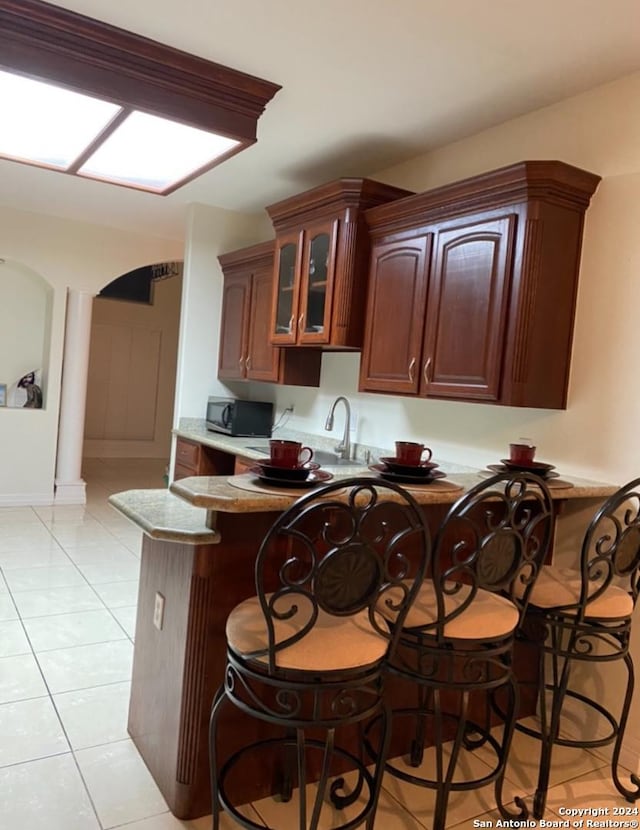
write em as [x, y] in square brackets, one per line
[25, 311]
[595, 436]
[132, 375]
[66, 254]
[210, 232]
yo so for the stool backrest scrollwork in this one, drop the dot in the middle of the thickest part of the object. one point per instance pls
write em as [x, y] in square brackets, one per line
[494, 538]
[342, 550]
[611, 549]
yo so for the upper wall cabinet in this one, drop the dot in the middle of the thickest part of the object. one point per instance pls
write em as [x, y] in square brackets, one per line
[320, 273]
[472, 287]
[245, 350]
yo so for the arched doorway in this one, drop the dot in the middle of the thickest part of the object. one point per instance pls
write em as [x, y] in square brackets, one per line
[132, 365]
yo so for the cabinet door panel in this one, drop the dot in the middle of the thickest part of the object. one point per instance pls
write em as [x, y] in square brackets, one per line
[188, 454]
[286, 289]
[180, 471]
[316, 286]
[466, 310]
[235, 314]
[395, 316]
[262, 358]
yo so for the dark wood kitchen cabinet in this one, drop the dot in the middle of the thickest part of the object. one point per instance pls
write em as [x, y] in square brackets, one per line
[195, 459]
[472, 287]
[395, 315]
[245, 350]
[320, 272]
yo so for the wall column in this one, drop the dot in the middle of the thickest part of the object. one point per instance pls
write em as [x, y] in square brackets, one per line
[69, 485]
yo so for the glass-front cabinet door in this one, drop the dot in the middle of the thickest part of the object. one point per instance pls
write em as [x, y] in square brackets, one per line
[318, 267]
[286, 288]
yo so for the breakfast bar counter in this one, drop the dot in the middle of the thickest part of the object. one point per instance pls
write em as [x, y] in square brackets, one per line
[198, 552]
[229, 494]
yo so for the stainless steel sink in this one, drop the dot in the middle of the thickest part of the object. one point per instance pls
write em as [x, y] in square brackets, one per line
[323, 457]
[330, 459]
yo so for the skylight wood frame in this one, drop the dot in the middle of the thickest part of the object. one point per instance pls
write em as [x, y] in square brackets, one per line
[54, 44]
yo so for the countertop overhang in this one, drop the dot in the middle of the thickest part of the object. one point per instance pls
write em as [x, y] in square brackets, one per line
[186, 513]
[217, 494]
[164, 516]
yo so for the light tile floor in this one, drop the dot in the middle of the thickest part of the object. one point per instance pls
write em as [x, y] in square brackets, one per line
[68, 587]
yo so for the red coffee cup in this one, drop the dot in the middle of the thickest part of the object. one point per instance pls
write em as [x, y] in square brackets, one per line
[288, 453]
[410, 453]
[521, 453]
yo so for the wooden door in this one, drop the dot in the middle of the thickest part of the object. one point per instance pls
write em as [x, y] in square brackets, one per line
[286, 288]
[467, 309]
[395, 315]
[316, 285]
[262, 360]
[122, 384]
[236, 300]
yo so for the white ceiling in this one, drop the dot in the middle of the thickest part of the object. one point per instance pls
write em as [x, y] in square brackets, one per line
[365, 84]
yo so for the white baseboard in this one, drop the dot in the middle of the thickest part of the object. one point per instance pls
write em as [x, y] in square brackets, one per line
[71, 492]
[25, 499]
[93, 448]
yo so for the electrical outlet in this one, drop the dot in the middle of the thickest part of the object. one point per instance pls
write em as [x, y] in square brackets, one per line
[353, 426]
[158, 611]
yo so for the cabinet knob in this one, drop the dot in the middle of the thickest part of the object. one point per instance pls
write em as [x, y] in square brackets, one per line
[300, 321]
[412, 367]
[426, 372]
[241, 363]
[247, 363]
[291, 319]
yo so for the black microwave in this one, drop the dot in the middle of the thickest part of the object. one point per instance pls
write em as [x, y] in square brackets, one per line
[236, 417]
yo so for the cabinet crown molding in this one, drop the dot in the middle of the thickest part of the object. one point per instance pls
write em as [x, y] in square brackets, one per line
[43, 40]
[255, 256]
[551, 181]
[331, 198]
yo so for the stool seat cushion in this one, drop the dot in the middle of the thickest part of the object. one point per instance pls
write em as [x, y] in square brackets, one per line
[332, 644]
[556, 587]
[487, 617]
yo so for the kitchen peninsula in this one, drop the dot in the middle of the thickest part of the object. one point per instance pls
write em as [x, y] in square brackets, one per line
[199, 546]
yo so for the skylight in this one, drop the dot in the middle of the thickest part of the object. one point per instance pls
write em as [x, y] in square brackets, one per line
[46, 124]
[88, 99]
[53, 127]
[153, 153]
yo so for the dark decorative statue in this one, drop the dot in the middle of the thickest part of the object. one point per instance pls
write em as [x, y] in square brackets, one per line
[34, 393]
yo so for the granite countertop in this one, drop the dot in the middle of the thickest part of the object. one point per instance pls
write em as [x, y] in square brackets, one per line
[216, 493]
[195, 429]
[162, 515]
[186, 512]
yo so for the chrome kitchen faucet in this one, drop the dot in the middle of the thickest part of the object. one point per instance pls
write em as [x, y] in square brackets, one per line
[344, 447]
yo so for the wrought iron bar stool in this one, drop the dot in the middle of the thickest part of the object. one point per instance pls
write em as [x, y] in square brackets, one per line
[583, 616]
[308, 652]
[456, 646]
